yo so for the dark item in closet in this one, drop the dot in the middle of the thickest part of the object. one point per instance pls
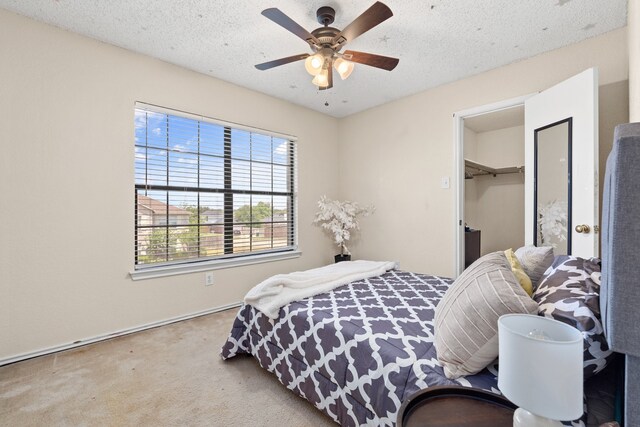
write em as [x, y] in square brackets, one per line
[471, 246]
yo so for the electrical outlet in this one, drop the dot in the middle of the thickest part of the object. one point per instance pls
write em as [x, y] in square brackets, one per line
[208, 278]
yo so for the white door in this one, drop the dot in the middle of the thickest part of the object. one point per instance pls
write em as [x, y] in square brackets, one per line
[571, 109]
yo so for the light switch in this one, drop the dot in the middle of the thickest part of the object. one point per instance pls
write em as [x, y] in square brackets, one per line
[444, 182]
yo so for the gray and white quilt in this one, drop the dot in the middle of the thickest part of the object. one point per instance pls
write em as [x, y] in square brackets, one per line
[355, 352]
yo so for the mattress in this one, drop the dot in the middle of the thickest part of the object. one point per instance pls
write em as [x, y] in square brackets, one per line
[358, 351]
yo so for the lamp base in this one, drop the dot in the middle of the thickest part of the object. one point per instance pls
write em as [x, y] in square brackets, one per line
[524, 418]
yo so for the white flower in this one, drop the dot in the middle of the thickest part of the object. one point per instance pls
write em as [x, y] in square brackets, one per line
[338, 218]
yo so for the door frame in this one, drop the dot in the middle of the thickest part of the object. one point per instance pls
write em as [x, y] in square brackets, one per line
[458, 140]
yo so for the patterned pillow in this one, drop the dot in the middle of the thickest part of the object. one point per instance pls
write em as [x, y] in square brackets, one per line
[570, 292]
[535, 261]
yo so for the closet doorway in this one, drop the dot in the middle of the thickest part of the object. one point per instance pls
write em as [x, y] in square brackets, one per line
[569, 112]
[491, 197]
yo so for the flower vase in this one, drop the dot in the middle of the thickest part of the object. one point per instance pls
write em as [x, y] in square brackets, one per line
[342, 257]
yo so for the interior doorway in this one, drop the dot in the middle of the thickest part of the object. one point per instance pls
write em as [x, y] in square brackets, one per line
[490, 158]
[574, 102]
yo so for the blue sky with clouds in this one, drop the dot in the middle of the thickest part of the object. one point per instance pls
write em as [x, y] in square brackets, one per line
[188, 146]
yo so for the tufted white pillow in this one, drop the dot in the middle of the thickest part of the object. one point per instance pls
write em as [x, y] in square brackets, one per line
[535, 261]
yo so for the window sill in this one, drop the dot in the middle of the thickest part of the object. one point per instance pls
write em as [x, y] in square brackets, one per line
[172, 270]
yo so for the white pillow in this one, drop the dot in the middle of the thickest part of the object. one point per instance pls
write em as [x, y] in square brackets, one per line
[535, 261]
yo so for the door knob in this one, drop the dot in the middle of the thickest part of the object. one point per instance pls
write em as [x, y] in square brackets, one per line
[583, 228]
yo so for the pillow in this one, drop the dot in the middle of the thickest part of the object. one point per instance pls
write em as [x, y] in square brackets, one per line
[517, 271]
[570, 292]
[535, 261]
[466, 319]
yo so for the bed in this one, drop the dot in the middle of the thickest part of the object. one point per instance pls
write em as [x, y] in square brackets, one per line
[358, 351]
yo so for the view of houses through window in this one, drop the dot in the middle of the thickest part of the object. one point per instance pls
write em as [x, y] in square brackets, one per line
[206, 190]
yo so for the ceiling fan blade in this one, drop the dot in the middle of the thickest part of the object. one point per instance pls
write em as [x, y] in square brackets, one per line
[378, 61]
[371, 17]
[281, 61]
[277, 16]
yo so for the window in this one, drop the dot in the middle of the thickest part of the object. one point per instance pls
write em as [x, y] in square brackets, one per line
[206, 189]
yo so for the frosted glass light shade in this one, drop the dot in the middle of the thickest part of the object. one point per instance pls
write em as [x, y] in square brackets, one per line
[540, 365]
[343, 67]
[322, 79]
[313, 64]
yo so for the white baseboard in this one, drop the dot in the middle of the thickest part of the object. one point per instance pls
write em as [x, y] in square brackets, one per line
[120, 333]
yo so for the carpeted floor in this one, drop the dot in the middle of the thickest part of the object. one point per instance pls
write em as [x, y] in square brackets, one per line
[168, 376]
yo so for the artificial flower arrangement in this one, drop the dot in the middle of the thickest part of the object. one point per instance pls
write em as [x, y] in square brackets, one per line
[340, 219]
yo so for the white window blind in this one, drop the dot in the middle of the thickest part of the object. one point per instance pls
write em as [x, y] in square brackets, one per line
[206, 189]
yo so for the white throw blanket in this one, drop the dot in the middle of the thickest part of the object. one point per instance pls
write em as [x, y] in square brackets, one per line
[281, 289]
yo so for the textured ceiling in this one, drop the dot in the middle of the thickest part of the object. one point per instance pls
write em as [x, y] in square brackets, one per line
[437, 41]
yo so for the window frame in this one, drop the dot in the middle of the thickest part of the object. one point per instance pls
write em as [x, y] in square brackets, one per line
[228, 258]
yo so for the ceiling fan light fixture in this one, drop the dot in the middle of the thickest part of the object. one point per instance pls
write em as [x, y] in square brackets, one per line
[326, 43]
[313, 64]
[322, 78]
[343, 67]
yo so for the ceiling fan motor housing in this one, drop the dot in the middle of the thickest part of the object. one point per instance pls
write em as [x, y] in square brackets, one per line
[325, 35]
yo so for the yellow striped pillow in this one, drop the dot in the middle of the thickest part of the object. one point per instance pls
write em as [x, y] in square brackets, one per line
[518, 271]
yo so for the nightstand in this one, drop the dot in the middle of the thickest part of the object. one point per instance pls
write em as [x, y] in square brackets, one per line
[448, 406]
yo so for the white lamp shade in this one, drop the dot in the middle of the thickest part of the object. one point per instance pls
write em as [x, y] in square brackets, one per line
[541, 375]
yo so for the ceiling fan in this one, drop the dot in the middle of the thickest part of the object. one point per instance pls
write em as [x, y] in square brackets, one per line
[326, 43]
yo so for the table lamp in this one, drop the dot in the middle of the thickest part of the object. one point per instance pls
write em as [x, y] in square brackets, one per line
[540, 369]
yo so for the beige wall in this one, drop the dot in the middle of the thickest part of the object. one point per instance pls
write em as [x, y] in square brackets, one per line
[633, 18]
[501, 148]
[498, 207]
[394, 155]
[66, 179]
[613, 100]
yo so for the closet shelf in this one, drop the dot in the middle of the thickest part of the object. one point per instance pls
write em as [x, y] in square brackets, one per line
[472, 169]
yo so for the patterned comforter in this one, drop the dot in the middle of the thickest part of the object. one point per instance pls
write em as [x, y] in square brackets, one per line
[358, 351]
